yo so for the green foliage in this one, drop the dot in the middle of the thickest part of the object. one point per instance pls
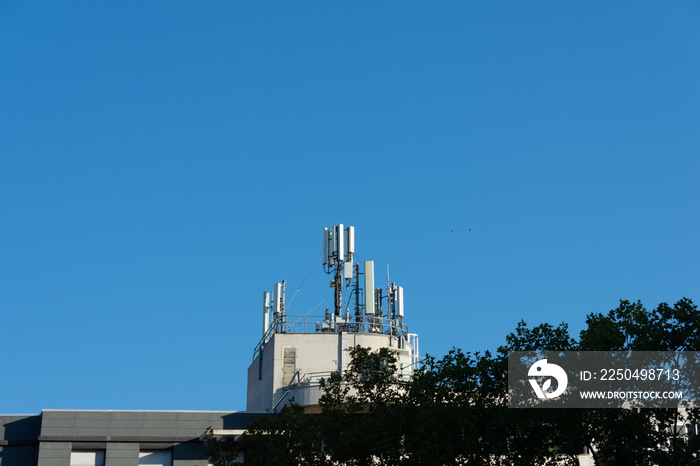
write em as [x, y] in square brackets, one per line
[642, 436]
[542, 337]
[287, 437]
[360, 410]
[219, 451]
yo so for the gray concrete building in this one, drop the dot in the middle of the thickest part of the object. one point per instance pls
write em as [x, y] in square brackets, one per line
[112, 438]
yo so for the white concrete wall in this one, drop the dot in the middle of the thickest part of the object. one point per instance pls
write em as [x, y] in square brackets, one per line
[260, 390]
[316, 353]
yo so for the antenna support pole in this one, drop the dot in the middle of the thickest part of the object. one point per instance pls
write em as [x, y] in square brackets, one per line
[338, 285]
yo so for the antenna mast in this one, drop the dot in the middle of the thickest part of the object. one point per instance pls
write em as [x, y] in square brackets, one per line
[375, 310]
[339, 248]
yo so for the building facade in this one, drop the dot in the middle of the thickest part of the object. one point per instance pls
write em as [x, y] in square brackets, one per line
[113, 438]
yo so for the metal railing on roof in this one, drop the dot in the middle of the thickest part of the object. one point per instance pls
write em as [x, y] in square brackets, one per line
[330, 323]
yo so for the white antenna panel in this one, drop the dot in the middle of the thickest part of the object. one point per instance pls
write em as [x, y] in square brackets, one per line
[347, 270]
[277, 298]
[340, 237]
[326, 248]
[266, 311]
[333, 245]
[350, 241]
[399, 300]
[369, 287]
[378, 301]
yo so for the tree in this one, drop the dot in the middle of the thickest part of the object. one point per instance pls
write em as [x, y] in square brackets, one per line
[643, 436]
[288, 437]
[356, 425]
[220, 451]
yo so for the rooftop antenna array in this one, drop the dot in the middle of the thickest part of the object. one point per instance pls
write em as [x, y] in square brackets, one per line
[338, 252]
[350, 282]
[273, 308]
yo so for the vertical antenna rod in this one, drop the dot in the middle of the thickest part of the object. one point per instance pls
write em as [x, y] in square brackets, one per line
[266, 312]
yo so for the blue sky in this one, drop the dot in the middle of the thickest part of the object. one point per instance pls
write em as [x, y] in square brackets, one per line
[164, 163]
